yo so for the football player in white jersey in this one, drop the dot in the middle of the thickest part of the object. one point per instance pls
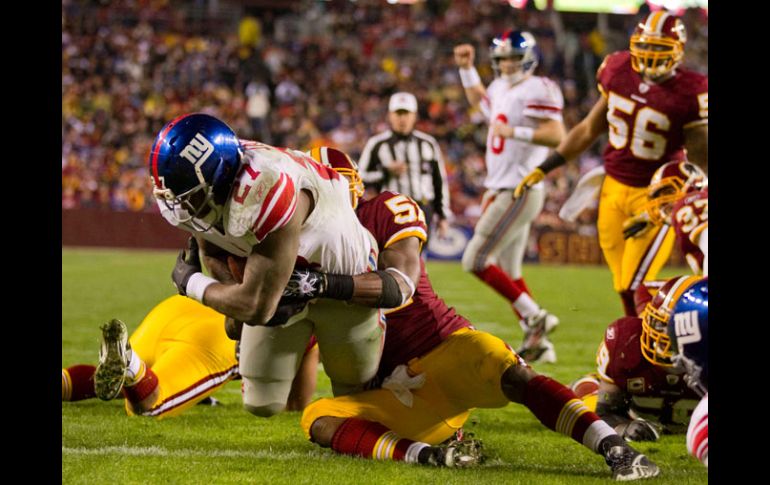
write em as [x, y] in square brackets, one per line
[275, 207]
[524, 114]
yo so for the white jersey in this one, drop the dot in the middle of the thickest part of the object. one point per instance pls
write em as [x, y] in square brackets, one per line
[264, 198]
[534, 98]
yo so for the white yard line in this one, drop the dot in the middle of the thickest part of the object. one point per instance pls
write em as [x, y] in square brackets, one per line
[183, 453]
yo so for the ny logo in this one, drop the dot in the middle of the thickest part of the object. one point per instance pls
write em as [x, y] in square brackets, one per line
[686, 327]
[197, 151]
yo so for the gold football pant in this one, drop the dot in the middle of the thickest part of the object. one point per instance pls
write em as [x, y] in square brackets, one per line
[632, 260]
[461, 373]
[185, 345]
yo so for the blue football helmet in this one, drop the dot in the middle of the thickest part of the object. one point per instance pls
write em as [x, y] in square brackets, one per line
[514, 43]
[194, 162]
[689, 332]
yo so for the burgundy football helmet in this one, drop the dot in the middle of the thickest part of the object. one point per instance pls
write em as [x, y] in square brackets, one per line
[669, 183]
[657, 44]
[343, 165]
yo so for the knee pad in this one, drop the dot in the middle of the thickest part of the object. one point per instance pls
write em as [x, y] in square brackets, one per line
[265, 410]
[265, 398]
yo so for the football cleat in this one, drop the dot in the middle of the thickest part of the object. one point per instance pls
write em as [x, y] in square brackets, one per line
[457, 454]
[536, 347]
[113, 360]
[628, 464]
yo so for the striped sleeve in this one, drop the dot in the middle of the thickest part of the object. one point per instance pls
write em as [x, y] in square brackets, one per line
[546, 101]
[278, 207]
[369, 165]
[698, 432]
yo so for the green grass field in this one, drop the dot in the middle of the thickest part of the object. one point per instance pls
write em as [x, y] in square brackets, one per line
[225, 444]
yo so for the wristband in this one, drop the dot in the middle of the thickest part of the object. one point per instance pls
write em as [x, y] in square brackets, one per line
[470, 77]
[554, 160]
[197, 285]
[523, 133]
[338, 287]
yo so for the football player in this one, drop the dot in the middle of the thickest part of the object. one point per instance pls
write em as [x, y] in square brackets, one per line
[436, 367]
[654, 112]
[688, 331]
[524, 113]
[275, 207]
[637, 389]
[177, 357]
[678, 196]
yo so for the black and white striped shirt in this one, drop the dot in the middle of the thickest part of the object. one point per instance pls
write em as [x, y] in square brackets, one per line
[425, 177]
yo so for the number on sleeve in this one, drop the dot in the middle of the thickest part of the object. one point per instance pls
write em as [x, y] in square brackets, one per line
[405, 210]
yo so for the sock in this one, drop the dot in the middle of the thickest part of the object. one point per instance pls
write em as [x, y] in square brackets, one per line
[522, 285]
[525, 307]
[136, 369]
[77, 383]
[500, 281]
[559, 409]
[368, 439]
[627, 297]
[138, 391]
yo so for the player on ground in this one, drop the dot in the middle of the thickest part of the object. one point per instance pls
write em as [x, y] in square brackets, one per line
[524, 113]
[636, 389]
[275, 207]
[654, 112]
[436, 368]
[678, 196]
[177, 357]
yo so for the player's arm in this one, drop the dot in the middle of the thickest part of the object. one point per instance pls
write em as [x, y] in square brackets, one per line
[474, 89]
[214, 259]
[267, 270]
[577, 140]
[547, 133]
[389, 287]
[696, 142]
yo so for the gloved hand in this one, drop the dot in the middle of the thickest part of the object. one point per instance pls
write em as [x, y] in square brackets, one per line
[304, 285]
[637, 225]
[536, 176]
[187, 264]
[638, 430]
[287, 308]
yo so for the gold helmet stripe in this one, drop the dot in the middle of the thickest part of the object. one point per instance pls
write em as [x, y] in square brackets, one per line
[656, 21]
[676, 291]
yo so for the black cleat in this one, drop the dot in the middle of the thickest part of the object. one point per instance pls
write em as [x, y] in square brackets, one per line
[628, 464]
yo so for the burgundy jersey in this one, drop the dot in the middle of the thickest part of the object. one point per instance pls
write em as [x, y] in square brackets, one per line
[690, 216]
[652, 392]
[647, 120]
[418, 326]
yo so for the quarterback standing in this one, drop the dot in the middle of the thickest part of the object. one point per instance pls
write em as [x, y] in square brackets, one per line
[524, 114]
[654, 112]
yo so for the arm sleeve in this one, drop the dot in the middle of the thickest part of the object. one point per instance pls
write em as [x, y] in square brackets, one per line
[440, 185]
[545, 102]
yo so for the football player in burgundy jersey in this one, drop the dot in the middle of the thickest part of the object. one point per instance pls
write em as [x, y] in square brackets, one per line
[177, 357]
[654, 112]
[525, 121]
[636, 389]
[436, 367]
[678, 196]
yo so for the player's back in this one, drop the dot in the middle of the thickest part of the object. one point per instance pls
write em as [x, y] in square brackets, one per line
[425, 320]
[690, 218]
[654, 392]
[523, 104]
[646, 120]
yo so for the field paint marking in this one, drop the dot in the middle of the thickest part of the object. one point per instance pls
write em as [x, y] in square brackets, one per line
[159, 451]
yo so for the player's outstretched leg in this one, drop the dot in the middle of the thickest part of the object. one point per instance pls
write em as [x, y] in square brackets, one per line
[559, 409]
[77, 382]
[368, 439]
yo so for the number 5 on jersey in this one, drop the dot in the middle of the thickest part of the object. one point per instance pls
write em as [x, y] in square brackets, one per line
[405, 210]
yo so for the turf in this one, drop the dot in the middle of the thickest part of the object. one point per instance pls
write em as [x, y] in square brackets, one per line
[224, 444]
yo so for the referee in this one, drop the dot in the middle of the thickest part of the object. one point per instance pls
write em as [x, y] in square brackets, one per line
[408, 161]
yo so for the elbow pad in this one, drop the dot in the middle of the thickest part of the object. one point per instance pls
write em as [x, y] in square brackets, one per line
[391, 295]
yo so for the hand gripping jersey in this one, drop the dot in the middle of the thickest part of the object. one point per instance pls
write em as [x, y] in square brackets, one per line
[264, 197]
[655, 393]
[647, 120]
[690, 217]
[425, 320]
[509, 160]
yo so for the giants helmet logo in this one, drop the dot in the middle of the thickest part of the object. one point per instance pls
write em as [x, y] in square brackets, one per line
[686, 327]
[197, 152]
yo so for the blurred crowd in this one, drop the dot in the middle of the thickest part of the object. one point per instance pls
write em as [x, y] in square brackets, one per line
[311, 73]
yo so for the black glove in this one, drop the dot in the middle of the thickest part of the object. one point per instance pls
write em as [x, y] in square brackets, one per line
[637, 225]
[187, 264]
[638, 430]
[287, 308]
[304, 285]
